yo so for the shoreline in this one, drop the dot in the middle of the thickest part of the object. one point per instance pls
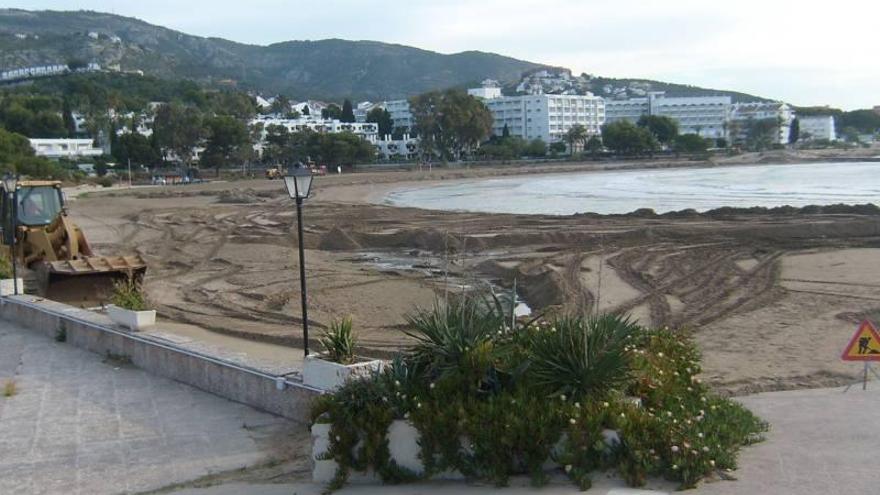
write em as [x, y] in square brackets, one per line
[376, 193]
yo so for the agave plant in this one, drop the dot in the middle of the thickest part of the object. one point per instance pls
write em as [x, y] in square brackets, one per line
[339, 341]
[580, 357]
[458, 339]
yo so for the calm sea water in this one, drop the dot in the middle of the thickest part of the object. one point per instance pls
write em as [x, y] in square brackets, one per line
[662, 190]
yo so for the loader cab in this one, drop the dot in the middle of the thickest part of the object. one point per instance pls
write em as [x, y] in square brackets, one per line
[39, 205]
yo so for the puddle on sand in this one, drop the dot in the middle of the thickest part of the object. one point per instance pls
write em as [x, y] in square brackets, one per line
[432, 266]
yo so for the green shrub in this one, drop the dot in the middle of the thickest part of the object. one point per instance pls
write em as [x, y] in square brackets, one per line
[5, 267]
[581, 357]
[491, 401]
[339, 341]
[128, 293]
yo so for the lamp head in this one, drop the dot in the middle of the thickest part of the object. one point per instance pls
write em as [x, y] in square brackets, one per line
[298, 181]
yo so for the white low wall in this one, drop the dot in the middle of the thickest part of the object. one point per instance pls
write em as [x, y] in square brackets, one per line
[403, 446]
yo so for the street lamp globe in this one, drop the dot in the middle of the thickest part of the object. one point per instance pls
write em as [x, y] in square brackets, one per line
[10, 181]
[298, 182]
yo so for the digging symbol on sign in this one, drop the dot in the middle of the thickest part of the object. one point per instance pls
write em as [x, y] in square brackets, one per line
[864, 346]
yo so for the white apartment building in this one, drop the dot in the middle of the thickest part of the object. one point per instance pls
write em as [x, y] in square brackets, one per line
[400, 114]
[363, 108]
[407, 147]
[706, 116]
[369, 131]
[742, 113]
[489, 89]
[816, 127]
[64, 148]
[546, 117]
[366, 130]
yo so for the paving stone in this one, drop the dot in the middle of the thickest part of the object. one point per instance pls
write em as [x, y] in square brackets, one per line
[83, 425]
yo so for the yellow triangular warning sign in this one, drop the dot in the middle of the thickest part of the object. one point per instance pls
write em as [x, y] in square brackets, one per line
[865, 344]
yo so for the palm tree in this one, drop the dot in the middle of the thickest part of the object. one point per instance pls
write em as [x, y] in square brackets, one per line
[577, 134]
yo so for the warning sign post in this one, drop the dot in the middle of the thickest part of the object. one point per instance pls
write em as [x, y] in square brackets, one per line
[864, 346]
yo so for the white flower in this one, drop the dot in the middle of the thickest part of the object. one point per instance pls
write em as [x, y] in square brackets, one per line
[406, 416]
[675, 467]
[694, 452]
[418, 405]
[622, 415]
[712, 462]
[337, 438]
[568, 468]
[675, 448]
[562, 397]
[699, 435]
[572, 421]
[396, 383]
[703, 399]
[687, 445]
[660, 371]
[605, 404]
[652, 452]
[577, 404]
[668, 413]
[659, 354]
[705, 449]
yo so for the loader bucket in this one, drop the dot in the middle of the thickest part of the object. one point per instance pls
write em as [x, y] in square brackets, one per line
[88, 281]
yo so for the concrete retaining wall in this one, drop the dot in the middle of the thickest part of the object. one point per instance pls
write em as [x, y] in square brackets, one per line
[282, 395]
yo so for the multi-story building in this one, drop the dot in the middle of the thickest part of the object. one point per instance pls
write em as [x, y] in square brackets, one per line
[546, 117]
[400, 114]
[742, 113]
[817, 127]
[407, 147]
[64, 148]
[877, 109]
[363, 108]
[488, 89]
[367, 130]
[706, 116]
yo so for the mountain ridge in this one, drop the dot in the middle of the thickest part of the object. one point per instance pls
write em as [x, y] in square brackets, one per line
[332, 68]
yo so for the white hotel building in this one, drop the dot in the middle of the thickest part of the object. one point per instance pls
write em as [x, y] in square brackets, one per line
[703, 115]
[366, 130]
[65, 148]
[545, 117]
[817, 127]
[742, 113]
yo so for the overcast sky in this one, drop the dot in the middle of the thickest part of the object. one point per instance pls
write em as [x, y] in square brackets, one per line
[803, 52]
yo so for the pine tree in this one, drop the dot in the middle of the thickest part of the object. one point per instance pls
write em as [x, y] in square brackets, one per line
[347, 112]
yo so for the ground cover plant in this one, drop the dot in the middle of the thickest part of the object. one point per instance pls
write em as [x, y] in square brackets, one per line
[129, 294]
[339, 341]
[493, 397]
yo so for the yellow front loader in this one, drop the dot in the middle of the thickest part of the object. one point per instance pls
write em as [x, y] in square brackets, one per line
[52, 252]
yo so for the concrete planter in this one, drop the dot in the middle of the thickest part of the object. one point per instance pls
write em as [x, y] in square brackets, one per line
[327, 375]
[133, 320]
[403, 446]
[7, 288]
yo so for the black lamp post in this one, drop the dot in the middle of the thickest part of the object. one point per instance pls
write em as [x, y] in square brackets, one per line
[11, 183]
[299, 183]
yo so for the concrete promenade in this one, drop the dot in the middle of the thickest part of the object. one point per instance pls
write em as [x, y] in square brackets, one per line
[80, 423]
[821, 442]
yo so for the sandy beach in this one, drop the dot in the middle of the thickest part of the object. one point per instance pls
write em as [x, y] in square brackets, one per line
[771, 299]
